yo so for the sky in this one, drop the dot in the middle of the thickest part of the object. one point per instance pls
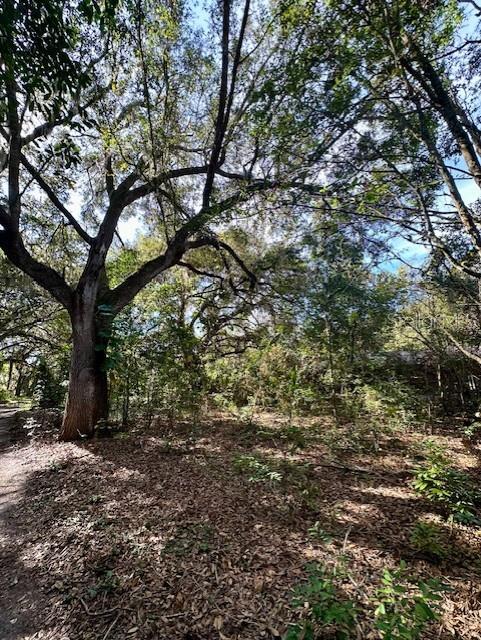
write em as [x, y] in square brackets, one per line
[129, 228]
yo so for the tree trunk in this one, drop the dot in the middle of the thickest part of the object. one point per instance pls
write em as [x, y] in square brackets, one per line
[87, 401]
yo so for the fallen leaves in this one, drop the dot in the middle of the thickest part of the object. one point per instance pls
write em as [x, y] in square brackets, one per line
[121, 540]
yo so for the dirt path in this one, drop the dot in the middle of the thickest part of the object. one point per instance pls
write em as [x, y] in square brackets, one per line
[11, 471]
[13, 476]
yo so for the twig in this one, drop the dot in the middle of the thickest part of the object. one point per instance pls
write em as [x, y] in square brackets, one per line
[344, 544]
[106, 612]
[342, 467]
[111, 627]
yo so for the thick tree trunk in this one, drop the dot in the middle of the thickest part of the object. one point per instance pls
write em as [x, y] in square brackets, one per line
[87, 401]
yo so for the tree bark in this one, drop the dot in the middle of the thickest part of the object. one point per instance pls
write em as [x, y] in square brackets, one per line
[87, 401]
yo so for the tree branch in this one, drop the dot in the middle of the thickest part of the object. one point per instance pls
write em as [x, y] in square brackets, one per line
[220, 244]
[13, 247]
[221, 110]
[55, 200]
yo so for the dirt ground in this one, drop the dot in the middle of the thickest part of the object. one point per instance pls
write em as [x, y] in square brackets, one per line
[165, 533]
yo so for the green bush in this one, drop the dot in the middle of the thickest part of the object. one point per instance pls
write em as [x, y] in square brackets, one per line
[403, 606]
[326, 609]
[318, 533]
[452, 489]
[49, 392]
[403, 609]
[427, 538]
[258, 470]
[473, 431]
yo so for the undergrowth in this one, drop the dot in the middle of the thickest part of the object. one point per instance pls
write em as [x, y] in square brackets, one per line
[400, 608]
[451, 489]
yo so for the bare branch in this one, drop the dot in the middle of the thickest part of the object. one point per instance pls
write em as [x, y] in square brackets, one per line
[221, 110]
[55, 200]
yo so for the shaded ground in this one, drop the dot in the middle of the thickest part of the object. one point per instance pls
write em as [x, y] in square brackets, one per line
[167, 534]
[13, 474]
[7, 422]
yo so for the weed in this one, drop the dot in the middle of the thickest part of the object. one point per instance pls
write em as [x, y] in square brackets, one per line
[101, 523]
[58, 466]
[326, 610]
[427, 538]
[191, 538]
[440, 483]
[403, 607]
[258, 470]
[107, 583]
[473, 430]
[317, 532]
[403, 610]
[294, 436]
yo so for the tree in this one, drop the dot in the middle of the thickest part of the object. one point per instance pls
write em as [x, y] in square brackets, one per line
[420, 147]
[146, 110]
[32, 327]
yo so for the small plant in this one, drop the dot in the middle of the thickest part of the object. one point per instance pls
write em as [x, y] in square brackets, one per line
[57, 466]
[99, 524]
[404, 609]
[404, 606]
[317, 532]
[473, 431]
[294, 436]
[196, 537]
[108, 583]
[259, 470]
[440, 483]
[427, 538]
[325, 608]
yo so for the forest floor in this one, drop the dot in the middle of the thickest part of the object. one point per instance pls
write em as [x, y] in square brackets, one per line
[201, 533]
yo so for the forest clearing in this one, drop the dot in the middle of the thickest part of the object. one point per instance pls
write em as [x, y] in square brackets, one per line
[240, 319]
[167, 533]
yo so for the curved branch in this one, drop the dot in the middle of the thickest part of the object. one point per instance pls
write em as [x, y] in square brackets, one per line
[55, 200]
[12, 246]
[220, 244]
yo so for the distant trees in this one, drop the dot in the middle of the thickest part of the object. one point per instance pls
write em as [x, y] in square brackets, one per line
[421, 143]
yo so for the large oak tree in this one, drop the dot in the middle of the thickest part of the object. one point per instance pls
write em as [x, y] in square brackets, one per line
[189, 120]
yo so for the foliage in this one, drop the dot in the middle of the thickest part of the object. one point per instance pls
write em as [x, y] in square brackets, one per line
[473, 430]
[318, 533]
[403, 610]
[48, 392]
[428, 538]
[192, 537]
[448, 487]
[257, 469]
[154, 358]
[403, 606]
[324, 608]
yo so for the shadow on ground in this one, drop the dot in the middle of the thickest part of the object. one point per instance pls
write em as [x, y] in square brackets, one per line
[158, 535]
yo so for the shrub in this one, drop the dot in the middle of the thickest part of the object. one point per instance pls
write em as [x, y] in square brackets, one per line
[404, 609]
[403, 606]
[48, 392]
[452, 489]
[258, 470]
[326, 609]
[317, 532]
[473, 431]
[427, 538]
